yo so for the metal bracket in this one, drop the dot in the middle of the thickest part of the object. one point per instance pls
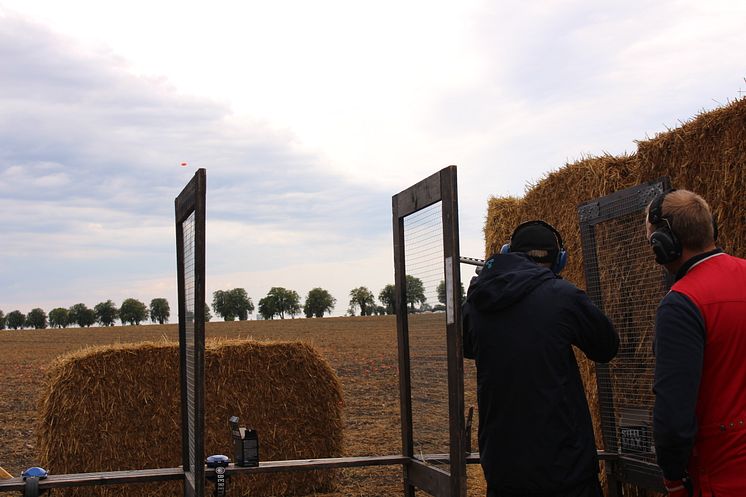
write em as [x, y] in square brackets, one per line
[589, 212]
[31, 488]
[467, 430]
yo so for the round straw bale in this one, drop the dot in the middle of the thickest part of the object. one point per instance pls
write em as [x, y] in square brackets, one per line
[118, 408]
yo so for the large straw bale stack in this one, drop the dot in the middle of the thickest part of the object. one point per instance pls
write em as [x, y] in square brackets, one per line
[503, 215]
[555, 199]
[118, 407]
[706, 155]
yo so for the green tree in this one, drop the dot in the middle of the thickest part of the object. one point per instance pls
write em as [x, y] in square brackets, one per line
[2, 320]
[278, 302]
[318, 302]
[415, 292]
[221, 305]
[267, 308]
[133, 312]
[36, 319]
[160, 310]
[106, 313]
[232, 304]
[208, 315]
[441, 289]
[387, 296]
[59, 317]
[363, 298]
[82, 315]
[16, 319]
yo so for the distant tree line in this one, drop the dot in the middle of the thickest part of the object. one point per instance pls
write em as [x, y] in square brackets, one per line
[363, 301]
[232, 305]
[132, 311]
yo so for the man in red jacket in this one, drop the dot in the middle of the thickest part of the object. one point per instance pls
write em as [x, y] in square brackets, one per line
[699, 418]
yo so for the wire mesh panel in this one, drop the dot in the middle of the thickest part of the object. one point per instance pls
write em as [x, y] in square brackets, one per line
[423, 243]
[190, 257]
[624, 280]
[426, 265]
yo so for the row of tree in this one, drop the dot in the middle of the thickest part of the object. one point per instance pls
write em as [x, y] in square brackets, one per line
[281, 302]
[231, 305]
[131, 311]
[363, 300]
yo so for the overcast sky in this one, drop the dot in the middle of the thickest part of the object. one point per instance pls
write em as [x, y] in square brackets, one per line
[308, 117]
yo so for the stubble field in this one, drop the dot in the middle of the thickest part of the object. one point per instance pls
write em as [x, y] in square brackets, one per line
[362, 351]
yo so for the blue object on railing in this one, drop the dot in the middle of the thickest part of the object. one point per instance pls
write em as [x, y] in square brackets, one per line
[35, 472]
[217, 460]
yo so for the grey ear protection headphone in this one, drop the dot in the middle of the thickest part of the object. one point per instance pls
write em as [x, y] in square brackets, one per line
[560, 261]
[666, 245]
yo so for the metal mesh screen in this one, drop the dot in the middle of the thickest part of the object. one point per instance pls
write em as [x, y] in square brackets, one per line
[188, 229]
[423, 246]
[624, 280]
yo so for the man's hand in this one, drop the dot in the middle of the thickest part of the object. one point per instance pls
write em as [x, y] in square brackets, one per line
[679, 488]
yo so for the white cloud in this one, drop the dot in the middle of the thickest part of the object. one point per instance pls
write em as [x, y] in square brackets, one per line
[308, 123]
[89, 171]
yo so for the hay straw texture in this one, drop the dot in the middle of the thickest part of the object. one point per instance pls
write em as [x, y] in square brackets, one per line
[117, 407]
[706, 155]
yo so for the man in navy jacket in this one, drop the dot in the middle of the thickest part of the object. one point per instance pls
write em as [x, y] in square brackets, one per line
[521, 321]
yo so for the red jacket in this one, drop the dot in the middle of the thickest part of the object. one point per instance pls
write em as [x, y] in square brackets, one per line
[716, 286]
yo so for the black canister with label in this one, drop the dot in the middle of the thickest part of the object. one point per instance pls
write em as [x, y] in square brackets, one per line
[245, 444]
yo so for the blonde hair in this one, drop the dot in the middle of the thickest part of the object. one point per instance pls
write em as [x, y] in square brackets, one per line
[690, 218]
[538, 254]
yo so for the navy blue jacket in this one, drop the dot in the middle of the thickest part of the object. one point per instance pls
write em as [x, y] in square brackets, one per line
[520, 323]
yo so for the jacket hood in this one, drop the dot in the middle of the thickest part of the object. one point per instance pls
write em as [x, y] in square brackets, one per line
[506, 279]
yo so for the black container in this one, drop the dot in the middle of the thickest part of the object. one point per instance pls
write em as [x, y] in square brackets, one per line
[245, 444]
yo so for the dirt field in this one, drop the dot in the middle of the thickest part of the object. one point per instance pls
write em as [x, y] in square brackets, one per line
[362, 350]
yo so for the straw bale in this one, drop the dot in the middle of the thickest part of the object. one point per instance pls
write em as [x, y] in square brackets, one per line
[706, 155]
[554, 199]
[118, 408]
[502, 217]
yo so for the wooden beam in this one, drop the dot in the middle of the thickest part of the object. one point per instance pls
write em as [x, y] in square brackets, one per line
[168, 474]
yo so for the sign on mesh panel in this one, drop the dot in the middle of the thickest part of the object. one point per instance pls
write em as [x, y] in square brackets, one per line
[624, 280]
[190, 243]
[426, 301]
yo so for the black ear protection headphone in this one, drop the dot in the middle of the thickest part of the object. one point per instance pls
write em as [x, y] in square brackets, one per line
[560, 261]
[666, 245]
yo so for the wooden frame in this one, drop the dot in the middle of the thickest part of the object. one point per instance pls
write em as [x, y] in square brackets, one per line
[440, 187]
[190, 263]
